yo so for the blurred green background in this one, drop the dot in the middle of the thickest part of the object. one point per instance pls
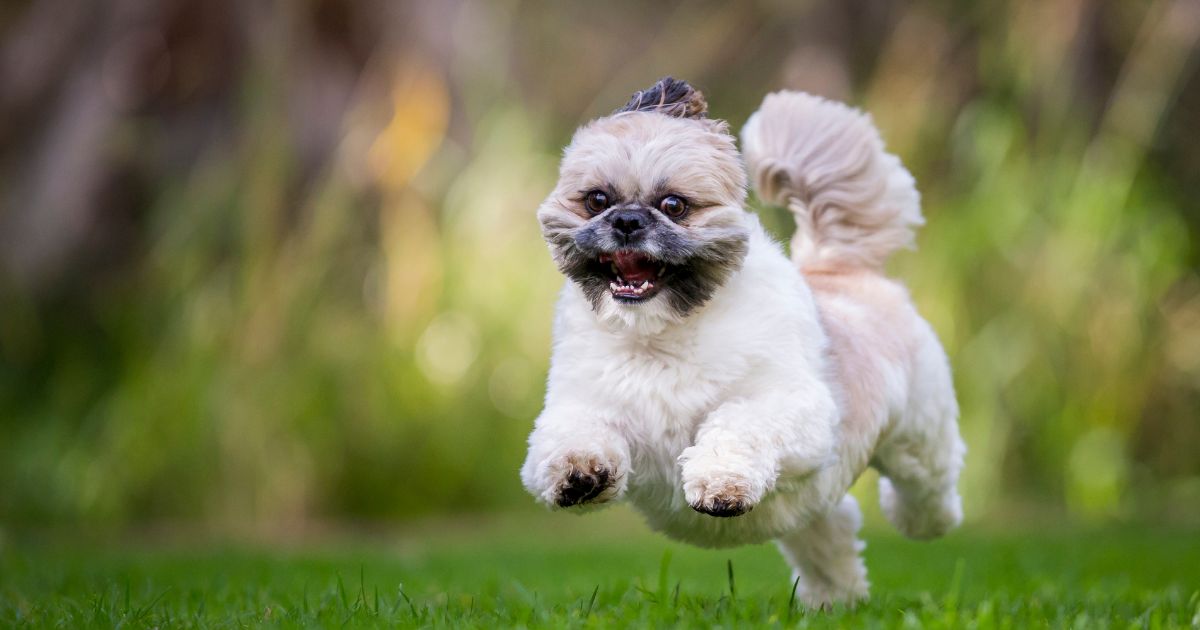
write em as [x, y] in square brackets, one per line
[275, 265]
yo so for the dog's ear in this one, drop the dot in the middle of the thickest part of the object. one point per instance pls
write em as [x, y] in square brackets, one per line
[668, 96]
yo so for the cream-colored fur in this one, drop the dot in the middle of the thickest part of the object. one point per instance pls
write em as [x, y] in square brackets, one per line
[778, 392]
[853, 203]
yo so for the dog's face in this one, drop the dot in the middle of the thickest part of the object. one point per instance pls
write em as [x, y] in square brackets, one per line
[649, 209]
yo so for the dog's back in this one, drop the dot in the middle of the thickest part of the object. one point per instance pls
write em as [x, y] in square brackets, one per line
[854, 205]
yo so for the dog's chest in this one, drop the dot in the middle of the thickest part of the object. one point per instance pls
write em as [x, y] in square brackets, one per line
[661, 396]
[659, 391]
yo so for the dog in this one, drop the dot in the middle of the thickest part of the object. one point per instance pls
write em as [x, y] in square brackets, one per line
[730, 394]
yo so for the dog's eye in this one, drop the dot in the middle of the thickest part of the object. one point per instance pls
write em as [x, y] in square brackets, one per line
[596, 202]
[673, 206]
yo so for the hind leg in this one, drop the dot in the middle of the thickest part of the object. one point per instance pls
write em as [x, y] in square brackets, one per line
[825, 555]
[919, 467]
[922, 455]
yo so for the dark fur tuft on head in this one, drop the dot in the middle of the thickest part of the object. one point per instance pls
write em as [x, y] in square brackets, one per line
[669, 96]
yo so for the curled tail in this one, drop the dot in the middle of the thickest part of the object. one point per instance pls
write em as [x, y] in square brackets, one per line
[854, 204]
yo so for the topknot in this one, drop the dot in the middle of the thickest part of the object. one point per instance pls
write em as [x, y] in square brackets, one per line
[668, 96]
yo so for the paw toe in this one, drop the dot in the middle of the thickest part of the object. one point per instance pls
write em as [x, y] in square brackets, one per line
[582, 486]
[723, 507]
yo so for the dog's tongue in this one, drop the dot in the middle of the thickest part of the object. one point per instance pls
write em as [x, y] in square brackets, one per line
[634, 267]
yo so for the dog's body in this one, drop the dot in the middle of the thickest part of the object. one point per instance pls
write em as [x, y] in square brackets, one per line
[703, 376]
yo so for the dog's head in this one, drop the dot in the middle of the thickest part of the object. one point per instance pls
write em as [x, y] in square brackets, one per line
[648, 212]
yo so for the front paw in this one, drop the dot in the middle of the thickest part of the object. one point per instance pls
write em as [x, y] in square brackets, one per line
[719, 486]
[583, 483]
[724, 497]
[578, 478]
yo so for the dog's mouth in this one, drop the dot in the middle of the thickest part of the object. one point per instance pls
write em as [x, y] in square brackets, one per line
[633, 276]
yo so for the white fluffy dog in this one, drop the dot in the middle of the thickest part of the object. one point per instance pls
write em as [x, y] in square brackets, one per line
[700, 374]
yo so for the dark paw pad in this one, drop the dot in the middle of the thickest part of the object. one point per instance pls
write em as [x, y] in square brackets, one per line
[723, 507]
[581, 487]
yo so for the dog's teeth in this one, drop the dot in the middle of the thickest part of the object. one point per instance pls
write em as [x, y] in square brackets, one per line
[662, 269]
[645, 285]
[613, 286]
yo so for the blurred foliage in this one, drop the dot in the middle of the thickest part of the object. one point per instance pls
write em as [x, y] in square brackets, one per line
[268, 264]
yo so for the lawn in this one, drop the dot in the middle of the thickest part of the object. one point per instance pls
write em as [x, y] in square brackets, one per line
[599, 571]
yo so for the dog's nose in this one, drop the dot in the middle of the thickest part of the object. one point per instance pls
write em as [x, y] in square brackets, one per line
[631, 221]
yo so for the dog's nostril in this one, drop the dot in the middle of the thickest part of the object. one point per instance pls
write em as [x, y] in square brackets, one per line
[628, 226]
[630, 221]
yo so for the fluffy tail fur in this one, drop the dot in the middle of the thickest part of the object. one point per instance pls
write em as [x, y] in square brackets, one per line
[854, 204]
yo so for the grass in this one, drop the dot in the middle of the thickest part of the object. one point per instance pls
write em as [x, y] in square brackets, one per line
[569, 572]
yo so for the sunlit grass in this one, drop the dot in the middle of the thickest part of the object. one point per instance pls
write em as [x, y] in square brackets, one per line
[592, 576]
